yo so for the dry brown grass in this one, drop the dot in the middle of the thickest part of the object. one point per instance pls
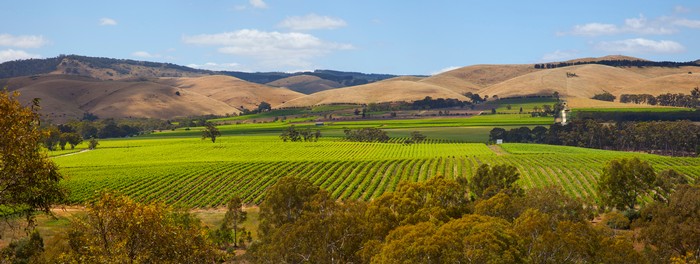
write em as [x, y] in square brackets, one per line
[676, 83]
[65, 97]
[653, 72]
[385, 91]
[235, 92]
[306, 84]
[486, 75]
[592, 79]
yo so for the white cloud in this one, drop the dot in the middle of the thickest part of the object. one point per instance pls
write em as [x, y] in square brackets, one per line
[664, 25]
[687, 23]
[446, 69]
[681, 9]
[559, 55]
[311, 22]
[10, 55]
[273, 49]
[594, 29]
[640, 45]
[23, 41]
[105, 21]
[217, 66]
[144, 54]
[258, 3]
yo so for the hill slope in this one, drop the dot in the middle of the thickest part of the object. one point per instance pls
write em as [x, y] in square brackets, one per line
[590, 79]
[384, 91]
[306, 84]
[64, 96]
[676, 83]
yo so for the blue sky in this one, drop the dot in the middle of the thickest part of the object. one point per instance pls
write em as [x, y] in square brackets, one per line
[398, 37]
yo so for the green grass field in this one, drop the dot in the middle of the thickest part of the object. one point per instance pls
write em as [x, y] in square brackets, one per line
[635, 110]
[200, 174]
[475, 128]
[528, 104]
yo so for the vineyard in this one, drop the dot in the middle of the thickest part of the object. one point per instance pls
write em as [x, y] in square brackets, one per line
[195, 173]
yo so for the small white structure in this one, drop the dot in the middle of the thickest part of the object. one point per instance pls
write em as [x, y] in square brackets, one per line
[499, 141]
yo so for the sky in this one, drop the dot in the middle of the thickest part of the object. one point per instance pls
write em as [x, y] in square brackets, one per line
[393, 37]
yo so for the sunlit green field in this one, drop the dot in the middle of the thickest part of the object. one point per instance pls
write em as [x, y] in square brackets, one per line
[198, 173]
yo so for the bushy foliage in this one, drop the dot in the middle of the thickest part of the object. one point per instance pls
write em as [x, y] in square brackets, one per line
[117, 229]
[29, 181]
[366, 135]
[606, 96]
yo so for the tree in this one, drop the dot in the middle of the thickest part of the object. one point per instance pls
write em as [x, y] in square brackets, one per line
[116, 229]
[606, 96]
[673, 228]
[74, 139]
[470, 239]
[417, 137]
[623, 181]
[368, 134]
[300, 223]
[234, 217]
[25, 250]
[490, 180]
[497, 133]
[264, 106]
[92, 144]
[29, 180]
[210, 131]
[52, 137]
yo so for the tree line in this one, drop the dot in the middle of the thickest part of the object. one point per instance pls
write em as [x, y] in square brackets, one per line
[691, 100]
[676, 138]
[629, 136]
[618, 63]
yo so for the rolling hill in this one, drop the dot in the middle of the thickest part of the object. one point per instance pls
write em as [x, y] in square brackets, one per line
[65, 96]
[306, 84]
[590, 79]
[384, 91]
[72, 85]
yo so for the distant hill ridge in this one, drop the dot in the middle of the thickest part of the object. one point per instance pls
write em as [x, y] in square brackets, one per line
[120, 69]
[617, 61]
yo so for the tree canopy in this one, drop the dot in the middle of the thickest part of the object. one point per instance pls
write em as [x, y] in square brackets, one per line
[29, 181]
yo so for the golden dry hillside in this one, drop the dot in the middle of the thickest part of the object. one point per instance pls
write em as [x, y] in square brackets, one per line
[64, 97]
[676, 83]
[482, 75]
[606, 58]
[384, 91]
[306, 84]
[233, 91]
[590, 79]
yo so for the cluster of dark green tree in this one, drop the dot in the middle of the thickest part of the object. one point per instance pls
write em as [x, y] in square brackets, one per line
[606, 96]
[618, 63]
[293, 134]
[547, 110]
[368, 134]
[111, 128]
[430, 103]
[691, 100]
[676, 138]
[487, 219]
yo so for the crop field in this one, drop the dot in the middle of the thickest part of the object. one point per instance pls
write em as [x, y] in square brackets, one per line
[483, 123]
[638, 109]
[528, 104]
[199, 174]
